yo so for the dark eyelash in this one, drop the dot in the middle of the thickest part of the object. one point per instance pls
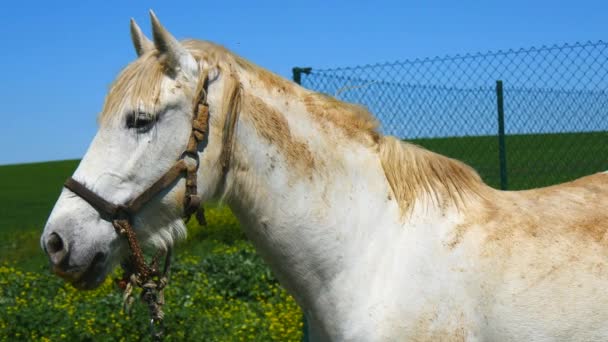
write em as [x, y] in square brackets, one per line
[141, 121]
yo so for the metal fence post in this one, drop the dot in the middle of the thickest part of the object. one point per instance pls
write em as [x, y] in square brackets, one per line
[502, 149]
[297, 74]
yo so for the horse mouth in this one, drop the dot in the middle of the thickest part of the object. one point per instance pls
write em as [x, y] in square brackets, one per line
[88, 279]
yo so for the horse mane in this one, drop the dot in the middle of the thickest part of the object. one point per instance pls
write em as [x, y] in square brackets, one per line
[413, 172]
[354, 120]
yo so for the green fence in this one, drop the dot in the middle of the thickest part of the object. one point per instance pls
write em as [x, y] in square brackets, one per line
[549, 103]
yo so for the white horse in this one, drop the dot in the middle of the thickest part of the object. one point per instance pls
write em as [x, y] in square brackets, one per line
[377, 239]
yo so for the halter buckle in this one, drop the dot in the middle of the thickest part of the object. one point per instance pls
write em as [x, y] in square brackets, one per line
[192, 155]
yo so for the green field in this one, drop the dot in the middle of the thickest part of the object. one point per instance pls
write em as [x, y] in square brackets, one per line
[221, 288]
[532, 160]
[28, 193]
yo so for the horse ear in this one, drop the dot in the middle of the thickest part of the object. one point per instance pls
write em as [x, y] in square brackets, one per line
[141, 43]
[177, 57]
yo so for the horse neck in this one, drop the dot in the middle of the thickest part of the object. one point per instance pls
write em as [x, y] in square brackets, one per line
[306, 195]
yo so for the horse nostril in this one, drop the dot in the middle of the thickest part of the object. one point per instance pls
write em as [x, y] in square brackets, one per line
[56, 248]
[54, 243]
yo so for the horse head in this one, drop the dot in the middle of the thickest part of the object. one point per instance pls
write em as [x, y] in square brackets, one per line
[145, 130]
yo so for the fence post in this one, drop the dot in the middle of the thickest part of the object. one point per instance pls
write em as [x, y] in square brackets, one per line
[297, 74]
[502, 149]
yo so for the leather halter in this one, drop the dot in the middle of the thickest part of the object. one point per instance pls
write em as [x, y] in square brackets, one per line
[121, 215]
[149, 277]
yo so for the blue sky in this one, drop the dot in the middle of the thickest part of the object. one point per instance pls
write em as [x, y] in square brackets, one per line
[58, 58]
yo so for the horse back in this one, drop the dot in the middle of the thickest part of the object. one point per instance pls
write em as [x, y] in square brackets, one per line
[540, 268]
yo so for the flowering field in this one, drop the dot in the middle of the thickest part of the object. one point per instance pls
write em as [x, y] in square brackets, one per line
[220, 290]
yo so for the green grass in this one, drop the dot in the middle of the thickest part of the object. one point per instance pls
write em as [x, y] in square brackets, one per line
[532, 160]
[28, 194]
[219, 288]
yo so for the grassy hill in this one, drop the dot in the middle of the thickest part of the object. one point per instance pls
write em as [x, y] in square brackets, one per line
[29, 192]
[533, 160]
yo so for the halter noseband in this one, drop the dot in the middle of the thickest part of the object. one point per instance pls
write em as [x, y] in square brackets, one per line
[138, 272]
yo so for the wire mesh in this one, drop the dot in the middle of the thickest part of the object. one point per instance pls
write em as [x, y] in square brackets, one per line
[555, 108]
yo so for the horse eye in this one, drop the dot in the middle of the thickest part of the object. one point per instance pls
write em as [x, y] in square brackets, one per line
[141, 121]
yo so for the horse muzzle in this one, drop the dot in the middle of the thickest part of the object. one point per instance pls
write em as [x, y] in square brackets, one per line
[87, 276]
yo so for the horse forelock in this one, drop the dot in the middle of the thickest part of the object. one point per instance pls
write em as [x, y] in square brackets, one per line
[138, 85]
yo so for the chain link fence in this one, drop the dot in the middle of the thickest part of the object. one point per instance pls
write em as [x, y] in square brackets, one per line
[554, 112]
